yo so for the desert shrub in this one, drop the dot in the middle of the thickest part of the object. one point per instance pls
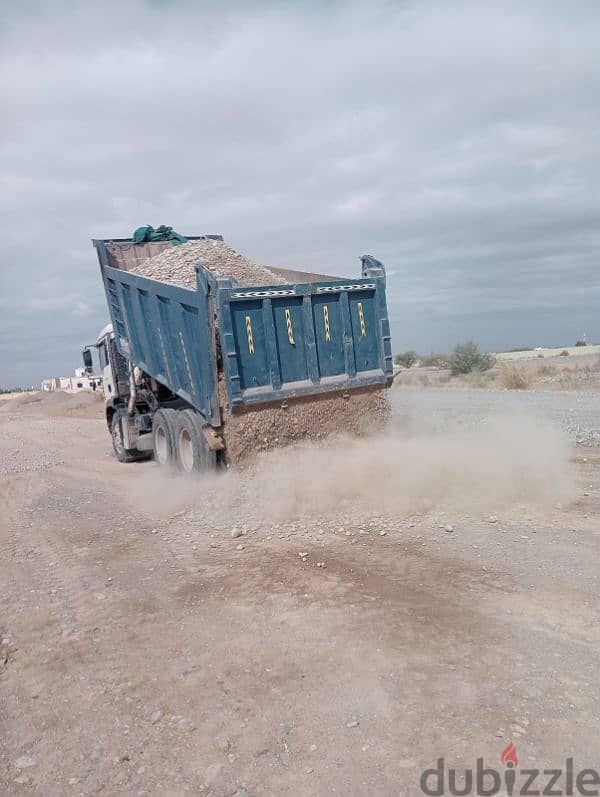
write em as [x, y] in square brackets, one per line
[406, 358]
[477, 378]
[589, 368]
[436, 361]
[580, 343]
[540, 356]
[564, 353]
[546, 370]
[514, 378]
[467, 357]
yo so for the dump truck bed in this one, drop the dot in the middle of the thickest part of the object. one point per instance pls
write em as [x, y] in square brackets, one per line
[276, 343]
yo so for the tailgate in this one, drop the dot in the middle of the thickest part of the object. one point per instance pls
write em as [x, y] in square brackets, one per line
[295, 340]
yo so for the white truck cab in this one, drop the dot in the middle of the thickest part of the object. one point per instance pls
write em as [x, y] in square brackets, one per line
[118, 384]
[102, 345]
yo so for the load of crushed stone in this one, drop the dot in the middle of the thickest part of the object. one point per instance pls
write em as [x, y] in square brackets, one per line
[176, 265]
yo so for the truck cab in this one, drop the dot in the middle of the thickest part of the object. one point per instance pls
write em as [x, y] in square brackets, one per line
[113, 367]
[117, 376]
[102, 345]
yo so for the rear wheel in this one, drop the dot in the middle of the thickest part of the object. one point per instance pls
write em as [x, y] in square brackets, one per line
[116, 429]
[163, 437]
[193, 452]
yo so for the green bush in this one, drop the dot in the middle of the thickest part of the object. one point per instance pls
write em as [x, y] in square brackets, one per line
[581, 343]
[467, 357]
[407, 358]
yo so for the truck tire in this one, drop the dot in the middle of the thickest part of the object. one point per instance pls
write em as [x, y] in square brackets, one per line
[193, 452]
[163, 437]
[116, 430]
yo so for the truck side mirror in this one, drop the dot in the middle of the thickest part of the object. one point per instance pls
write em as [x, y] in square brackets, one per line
[87, 361]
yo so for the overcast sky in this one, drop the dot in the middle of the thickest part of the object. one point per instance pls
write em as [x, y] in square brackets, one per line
[457, 142]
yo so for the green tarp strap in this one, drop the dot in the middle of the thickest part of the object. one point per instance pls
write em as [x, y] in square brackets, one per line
[145, 234]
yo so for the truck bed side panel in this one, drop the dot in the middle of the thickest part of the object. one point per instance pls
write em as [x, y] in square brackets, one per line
[168, 332]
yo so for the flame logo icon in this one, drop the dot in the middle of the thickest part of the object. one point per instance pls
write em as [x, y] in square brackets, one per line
[509, 755]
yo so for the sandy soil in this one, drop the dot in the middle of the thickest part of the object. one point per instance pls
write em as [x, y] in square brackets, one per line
[433, 593]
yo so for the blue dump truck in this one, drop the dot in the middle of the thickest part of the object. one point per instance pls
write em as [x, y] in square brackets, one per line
[180, 366]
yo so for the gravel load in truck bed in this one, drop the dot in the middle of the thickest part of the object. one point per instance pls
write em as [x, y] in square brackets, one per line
[176, 265]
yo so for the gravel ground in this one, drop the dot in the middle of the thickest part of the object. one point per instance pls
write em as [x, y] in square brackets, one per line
[331, 622]
[576, 414]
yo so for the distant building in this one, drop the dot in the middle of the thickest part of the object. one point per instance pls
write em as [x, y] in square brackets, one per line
[72, 384]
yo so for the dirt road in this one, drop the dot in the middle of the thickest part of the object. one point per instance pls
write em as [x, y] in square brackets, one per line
[432, 594]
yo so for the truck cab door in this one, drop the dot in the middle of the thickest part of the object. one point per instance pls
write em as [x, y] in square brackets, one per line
[109, 383]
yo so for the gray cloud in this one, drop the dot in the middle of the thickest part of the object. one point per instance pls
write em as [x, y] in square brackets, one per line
[455, 141]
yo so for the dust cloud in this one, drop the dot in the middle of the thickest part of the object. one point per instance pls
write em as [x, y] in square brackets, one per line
[410, 469]
[500, 464]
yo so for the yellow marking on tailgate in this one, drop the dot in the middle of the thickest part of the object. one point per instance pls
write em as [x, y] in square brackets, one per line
[288, 322]
[361, 318]
[249, 333]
